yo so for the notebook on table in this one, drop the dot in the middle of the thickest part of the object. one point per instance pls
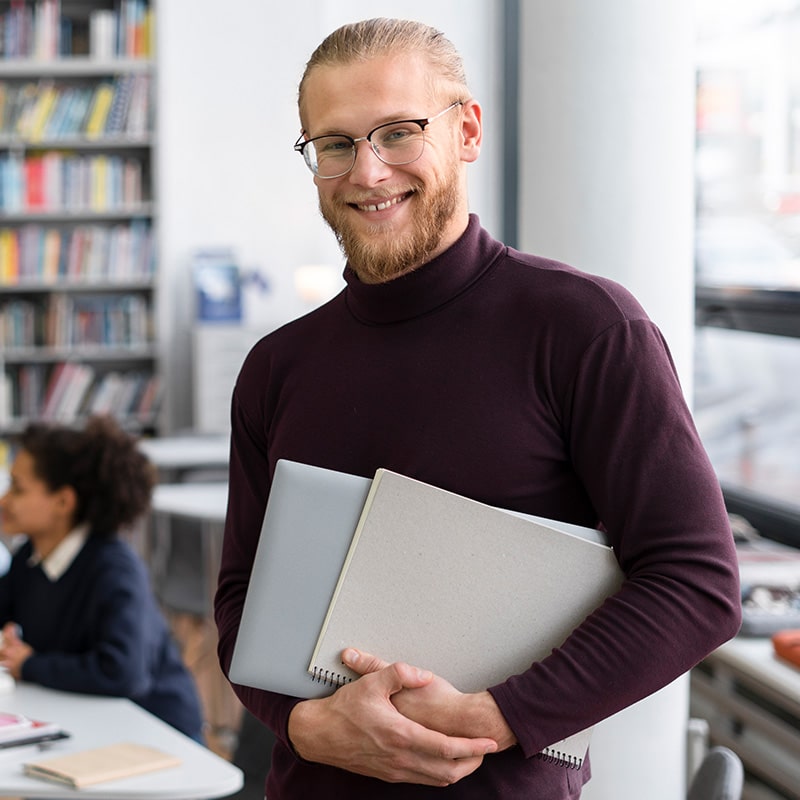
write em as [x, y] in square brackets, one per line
[101, 764]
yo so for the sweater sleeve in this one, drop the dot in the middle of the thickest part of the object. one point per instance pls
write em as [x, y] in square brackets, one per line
[633, 443]
[249, 483]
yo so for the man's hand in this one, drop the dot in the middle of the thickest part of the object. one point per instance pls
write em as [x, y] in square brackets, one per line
[438, 705]
[358, 729]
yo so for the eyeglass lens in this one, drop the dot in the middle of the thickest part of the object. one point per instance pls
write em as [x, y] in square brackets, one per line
[394, 143]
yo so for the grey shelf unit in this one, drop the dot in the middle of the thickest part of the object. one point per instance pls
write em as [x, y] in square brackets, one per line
[118, 289]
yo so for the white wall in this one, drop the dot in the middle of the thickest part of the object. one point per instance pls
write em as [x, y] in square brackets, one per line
[227, 119]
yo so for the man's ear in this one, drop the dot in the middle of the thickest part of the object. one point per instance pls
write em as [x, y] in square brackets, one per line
[471, 130]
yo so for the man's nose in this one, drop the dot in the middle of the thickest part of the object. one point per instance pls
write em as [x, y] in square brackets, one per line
[368, 168]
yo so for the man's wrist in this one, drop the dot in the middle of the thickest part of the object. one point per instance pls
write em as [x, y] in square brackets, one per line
[294, 728]
[486, 719]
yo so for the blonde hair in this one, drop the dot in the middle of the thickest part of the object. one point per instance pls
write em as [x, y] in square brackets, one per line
[369, 38]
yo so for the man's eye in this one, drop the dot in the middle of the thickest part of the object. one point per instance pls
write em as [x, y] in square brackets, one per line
[395, 136]
[333, 147]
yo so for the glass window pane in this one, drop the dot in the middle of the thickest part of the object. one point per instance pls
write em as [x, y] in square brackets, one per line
[748, 144]
[747, 169]
[747, 387]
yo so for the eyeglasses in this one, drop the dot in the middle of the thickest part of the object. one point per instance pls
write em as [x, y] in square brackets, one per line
[394, 143]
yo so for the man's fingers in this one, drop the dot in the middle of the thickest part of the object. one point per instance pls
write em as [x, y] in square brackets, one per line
[455, 748]
[362, 663]
[435, 759]
[399, 675]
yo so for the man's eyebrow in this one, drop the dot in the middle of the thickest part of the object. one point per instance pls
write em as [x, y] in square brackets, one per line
[398, 116]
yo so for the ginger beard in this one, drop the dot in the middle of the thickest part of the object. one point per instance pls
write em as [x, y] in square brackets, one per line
[378, 253]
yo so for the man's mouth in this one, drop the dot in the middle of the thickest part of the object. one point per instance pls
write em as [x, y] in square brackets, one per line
[383, 204]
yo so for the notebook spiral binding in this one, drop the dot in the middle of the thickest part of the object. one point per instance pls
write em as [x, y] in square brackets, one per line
[329, 678]
[552, 756]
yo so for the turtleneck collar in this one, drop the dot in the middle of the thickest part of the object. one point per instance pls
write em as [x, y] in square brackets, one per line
[427, 287]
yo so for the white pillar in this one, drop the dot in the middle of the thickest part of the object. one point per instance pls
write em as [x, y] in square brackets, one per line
[606, 148]
[606, 159]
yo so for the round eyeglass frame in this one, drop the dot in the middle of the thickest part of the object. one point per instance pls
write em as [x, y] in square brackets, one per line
[301, 144]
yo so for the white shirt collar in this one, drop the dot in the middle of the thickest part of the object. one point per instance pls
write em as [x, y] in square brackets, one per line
[58, 560]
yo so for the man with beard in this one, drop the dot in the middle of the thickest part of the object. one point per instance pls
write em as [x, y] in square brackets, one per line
[508, 378]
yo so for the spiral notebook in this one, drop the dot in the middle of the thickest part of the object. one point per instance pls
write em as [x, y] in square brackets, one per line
[467, 590]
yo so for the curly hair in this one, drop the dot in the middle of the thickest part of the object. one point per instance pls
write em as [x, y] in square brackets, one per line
[112, 478]
[369, 38]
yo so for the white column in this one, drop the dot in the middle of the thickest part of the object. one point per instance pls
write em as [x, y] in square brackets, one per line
[606, 158]
[607, 140]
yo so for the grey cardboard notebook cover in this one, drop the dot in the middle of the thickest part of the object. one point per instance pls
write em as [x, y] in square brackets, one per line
[469, 591]
[309, 522]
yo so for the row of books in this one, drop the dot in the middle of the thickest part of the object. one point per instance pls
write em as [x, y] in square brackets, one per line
[76, 321]
[60, 181]
[50, 110]
[113, 321]
[125, 31]
[32, 30]
[103, 320]
[43, 30]
[38, 254]
[70, 391]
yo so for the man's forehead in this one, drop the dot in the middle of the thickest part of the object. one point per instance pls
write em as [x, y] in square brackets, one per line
[376, 90]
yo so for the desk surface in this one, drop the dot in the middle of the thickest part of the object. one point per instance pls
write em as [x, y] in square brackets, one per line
[187, 452]
[97, 721]
[204, 501]
[755, 658]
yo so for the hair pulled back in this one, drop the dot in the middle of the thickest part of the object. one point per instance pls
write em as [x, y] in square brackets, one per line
[369, 38]
[112, 478]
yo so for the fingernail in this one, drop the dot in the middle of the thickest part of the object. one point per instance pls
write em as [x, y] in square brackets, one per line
[350, 656]
[424, 674]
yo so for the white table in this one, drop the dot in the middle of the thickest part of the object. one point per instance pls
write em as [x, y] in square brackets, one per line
[191, 451]
[203, 501]
[96, 721]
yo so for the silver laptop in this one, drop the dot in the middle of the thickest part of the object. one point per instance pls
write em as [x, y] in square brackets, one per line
[309, 522]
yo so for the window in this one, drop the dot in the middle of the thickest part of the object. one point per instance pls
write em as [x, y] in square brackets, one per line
[747, 381]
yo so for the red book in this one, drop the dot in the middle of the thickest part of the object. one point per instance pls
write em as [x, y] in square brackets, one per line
[34, 183]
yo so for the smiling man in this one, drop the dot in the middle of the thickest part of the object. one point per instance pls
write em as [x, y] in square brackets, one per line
[515, 380]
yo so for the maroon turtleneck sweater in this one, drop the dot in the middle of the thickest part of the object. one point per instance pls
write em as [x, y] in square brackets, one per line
[525, 384]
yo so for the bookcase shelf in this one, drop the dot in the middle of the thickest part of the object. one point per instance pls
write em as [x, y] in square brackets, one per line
[139, 210]
[17, 143]
[73, 66]
[88, 353]
[78, 213]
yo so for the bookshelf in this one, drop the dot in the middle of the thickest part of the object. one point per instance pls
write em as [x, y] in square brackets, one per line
[78, 213]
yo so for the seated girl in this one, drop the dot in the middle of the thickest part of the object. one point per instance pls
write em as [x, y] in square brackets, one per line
[76, 607]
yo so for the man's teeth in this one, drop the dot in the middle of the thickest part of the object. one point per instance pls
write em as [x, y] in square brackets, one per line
[381, 206]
